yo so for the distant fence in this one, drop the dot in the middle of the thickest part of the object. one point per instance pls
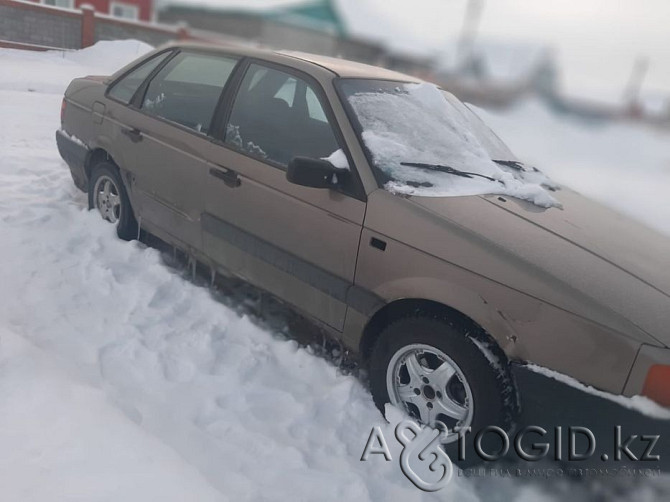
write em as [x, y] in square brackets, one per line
[25, 25]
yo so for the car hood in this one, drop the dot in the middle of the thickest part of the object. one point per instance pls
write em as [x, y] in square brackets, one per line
[625, 243]
[582, 257]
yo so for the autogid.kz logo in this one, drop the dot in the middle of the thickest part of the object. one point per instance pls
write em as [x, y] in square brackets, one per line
[422, 460]
[426, 464]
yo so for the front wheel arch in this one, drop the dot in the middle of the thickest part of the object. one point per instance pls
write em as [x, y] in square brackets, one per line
[485, 395]
[400, 309]
[405, 307]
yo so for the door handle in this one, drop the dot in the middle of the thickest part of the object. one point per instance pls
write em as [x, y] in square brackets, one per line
[134, 134]
[228, 176]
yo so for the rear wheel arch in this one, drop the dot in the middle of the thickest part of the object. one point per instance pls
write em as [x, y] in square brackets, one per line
[98, 156]
[95, 157]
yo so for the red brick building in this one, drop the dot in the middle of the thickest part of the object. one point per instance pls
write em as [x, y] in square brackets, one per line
[140, 10]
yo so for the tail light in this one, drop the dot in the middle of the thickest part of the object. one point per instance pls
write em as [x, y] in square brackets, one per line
[62, 110]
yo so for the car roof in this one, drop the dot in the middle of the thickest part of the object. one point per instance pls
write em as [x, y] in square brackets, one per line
[339, 67]
[347, 68]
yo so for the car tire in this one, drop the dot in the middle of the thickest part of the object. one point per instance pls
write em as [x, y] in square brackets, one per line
[481, 381]
[107, 194]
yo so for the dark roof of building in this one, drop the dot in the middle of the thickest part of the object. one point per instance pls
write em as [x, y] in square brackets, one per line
[317, 13]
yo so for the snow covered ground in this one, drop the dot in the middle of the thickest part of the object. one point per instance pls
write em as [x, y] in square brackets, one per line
[121, 380]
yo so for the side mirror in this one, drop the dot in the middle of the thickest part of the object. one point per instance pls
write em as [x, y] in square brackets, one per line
[314, 173]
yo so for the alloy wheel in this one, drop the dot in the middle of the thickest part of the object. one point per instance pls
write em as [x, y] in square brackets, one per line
[430, 386]
[107, 199]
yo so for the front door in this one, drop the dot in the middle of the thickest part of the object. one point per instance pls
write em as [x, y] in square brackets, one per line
[298, 243]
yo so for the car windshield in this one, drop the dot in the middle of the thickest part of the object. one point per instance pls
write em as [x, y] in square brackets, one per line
[423, 141]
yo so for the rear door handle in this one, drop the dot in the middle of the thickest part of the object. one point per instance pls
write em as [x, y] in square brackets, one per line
[228, 176]
[134, 134]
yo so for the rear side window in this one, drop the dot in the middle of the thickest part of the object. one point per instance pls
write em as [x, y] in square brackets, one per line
[187, 90]
[125, 89]
[277, 116]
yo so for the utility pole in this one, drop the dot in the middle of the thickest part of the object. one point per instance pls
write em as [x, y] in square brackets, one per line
[634, 86]
[471, 21]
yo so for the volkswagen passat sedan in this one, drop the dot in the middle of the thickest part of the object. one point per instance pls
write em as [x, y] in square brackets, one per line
[382, 208]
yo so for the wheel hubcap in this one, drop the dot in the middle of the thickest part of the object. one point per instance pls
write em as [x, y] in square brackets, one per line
[430, 386]
[107, 199]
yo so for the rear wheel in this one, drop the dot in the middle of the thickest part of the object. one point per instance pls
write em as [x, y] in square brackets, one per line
[443, 374]
[107, 194]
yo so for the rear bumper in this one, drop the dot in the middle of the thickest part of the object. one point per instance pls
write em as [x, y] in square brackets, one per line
[74, 153]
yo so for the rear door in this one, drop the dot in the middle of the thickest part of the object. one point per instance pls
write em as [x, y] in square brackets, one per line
[120, 111]
[296, 242]
[165, 138]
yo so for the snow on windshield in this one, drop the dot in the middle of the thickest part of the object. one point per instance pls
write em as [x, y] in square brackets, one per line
[419, 123]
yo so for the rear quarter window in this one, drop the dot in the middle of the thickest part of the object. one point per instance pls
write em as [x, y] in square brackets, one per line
[125, 88]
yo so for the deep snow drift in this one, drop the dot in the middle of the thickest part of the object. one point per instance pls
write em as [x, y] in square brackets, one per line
[120, 380]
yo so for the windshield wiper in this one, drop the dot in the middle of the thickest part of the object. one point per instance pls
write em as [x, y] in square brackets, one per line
[521, 167]
[517, 165]
[447, 169]
[514, 164]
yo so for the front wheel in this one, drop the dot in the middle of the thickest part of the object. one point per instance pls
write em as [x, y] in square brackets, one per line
[107, 194]
[443, 374]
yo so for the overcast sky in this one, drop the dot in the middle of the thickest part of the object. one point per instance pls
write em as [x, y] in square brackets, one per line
[596, 41]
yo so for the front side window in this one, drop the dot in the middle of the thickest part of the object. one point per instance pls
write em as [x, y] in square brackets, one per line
[187, 90]
[277, 116]
[125, 89]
